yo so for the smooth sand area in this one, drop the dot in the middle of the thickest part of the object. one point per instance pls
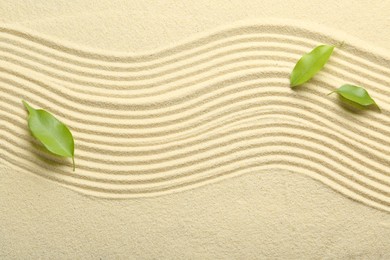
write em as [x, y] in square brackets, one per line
[190, 143]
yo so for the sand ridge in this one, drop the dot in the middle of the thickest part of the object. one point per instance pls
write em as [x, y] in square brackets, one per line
[213, 107]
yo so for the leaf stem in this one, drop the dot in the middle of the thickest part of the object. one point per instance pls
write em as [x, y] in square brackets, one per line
[340, 44]
[74, 165]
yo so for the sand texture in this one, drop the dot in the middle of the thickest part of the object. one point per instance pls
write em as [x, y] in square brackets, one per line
[195, 148]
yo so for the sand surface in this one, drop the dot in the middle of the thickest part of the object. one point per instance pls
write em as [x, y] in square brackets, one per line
[189, 141]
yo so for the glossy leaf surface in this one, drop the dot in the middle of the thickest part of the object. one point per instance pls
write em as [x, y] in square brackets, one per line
[53, 134]
[310, 64]
[355, 94]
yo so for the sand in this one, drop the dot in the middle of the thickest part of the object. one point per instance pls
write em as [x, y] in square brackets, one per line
[189, 141]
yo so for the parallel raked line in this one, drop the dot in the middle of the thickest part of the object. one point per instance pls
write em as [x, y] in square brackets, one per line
[108, 161]
[204, 89]
[255, 48]
[230, 74]
[92, 152]
[163, 179]
[170, 52]
[284, 59]
[133, 126]
[89, 154]
[349, 134]
[230, 103]
[278, 99]
[306, 163]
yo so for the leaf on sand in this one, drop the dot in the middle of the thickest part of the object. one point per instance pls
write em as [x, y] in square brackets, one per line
[53, 134]
[310, 64]
[355, 94]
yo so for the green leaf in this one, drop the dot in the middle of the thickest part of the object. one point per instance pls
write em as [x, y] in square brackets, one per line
[310, 64]
[355, 94]
[54, 135]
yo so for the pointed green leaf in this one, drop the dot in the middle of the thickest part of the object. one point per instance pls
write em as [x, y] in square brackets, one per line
[355, 94]
[54, 135]
[310, 64]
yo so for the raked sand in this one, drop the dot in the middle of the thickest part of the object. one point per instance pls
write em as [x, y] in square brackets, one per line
[193, 145]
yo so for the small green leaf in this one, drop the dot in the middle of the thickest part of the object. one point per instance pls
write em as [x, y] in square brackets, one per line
[355, 94]
[310, 64]
[54, 135]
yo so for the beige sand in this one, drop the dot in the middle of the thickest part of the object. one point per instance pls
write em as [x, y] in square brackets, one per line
[190, 143]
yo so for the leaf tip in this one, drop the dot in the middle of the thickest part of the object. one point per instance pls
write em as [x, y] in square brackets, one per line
[377, 106]
[293, 83]
[24, 103]
[27, 106]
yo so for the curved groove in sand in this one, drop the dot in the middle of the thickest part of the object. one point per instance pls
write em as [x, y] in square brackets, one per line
[255, 51]
[239, 102]
[138, 82]
[369, 175]
[229, 108]
[207, 109]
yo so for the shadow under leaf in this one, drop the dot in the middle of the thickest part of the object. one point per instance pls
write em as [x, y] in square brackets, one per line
[355, 107]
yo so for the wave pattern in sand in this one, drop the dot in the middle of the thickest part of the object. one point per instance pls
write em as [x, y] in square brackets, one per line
[207, 109]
